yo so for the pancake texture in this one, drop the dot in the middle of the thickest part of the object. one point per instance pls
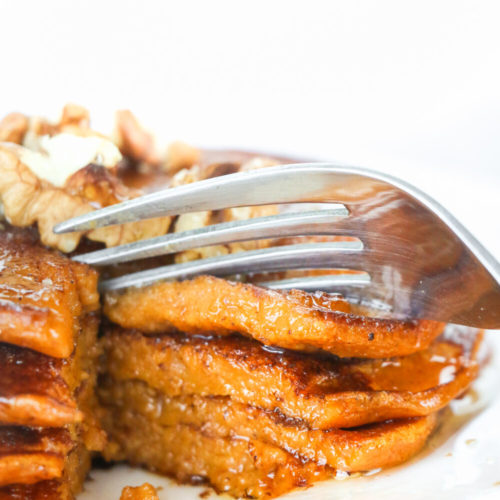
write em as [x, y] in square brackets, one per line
[325, 392]
[292, 320]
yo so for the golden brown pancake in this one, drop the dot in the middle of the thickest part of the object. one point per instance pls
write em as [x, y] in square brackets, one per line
[249, 467]
[38, 390]
[43, 295]
[33, 390]
[296, 320]
[324, 392]
[348, 450]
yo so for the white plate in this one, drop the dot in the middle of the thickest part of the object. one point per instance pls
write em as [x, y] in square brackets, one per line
[461, 460]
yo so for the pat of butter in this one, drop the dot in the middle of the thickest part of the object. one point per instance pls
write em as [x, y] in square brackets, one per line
[60, 156]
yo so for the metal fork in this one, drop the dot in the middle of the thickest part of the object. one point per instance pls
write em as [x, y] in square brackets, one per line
[417, 260]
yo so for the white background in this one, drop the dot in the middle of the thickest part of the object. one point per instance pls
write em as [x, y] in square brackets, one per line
[411, 88]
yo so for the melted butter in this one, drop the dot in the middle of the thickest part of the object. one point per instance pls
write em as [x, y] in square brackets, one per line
[60, 156]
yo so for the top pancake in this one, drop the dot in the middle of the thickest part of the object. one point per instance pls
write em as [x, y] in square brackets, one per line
[42, 295]
[294, 320]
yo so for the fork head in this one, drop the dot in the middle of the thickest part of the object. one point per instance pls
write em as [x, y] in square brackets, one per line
[418, 260]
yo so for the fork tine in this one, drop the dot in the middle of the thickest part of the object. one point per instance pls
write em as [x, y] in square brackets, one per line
[353, 287]
[327, 282]
[303, 256]
[290, 224]
[283, 184]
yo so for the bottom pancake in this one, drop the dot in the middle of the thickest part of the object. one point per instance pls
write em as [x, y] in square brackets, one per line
[220, 417]
[248, 467]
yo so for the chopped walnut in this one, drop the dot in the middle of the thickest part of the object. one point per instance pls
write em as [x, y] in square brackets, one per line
[28, 199]
[13, 128]
[143, 492]
[48, 173]
[181, 155]
[197, 220]
[76, 115]
[133, 140]
[187, 176]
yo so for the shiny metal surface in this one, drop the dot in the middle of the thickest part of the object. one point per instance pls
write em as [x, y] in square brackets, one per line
[291, 224]
[422, 262]
[304, 256]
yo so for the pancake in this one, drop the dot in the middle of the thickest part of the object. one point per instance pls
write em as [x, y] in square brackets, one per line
[39, 390]
[248, 467]
[43, 295]
[51, 383]
[293, 320]
[323, 391]
[33, 390]
[347, 450]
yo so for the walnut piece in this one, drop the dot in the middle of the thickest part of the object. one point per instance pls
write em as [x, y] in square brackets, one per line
[75, 115]
[13, 127]
[50, 172]
[28, 200]
[181, 155]
[133, 140]
[196, 220]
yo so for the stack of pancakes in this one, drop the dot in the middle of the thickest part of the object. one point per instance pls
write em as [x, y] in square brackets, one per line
[48, 358]
[251, 390]
[258, 392]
